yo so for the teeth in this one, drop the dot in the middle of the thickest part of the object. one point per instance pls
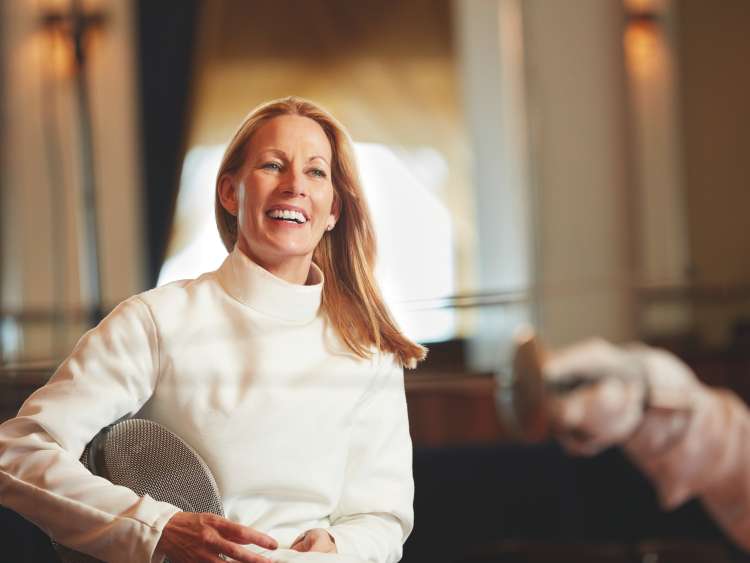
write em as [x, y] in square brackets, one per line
[287, 214]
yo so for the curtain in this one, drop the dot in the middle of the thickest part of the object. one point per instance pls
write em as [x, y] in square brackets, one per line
[165, 43]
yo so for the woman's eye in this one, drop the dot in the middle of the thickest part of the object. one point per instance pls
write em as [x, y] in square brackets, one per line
[275, 166]
[318, 172]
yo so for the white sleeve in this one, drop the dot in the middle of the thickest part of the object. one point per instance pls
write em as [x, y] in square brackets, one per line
[704, 453]
[111, 372]
[375, 513]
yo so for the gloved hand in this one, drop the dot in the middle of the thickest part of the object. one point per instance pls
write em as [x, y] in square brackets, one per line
[601, 392]
[689, 439]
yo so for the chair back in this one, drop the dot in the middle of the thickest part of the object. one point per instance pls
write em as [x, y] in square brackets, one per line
[150, 460]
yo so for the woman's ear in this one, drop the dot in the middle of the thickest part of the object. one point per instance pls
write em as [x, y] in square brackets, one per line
[228, 194]
[335, 212]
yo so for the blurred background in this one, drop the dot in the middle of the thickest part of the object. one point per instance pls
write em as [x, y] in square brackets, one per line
[581, 165]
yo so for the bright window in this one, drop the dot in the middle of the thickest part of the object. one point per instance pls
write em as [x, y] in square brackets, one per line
[414, 230]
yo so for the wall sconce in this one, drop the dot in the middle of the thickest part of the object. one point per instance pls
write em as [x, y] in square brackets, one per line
[643, 41]
[70, 29]
[70, 32]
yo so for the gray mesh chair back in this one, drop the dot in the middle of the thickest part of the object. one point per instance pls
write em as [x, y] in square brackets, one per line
[149, 459]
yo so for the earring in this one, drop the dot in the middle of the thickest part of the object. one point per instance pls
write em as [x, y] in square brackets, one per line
[329, 228]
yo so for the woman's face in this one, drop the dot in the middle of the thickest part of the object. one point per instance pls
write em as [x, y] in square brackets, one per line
[283, 195]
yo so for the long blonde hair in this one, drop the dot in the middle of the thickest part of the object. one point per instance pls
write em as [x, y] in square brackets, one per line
[346, 255]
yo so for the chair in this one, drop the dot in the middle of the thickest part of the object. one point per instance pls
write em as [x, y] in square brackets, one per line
[149, 459]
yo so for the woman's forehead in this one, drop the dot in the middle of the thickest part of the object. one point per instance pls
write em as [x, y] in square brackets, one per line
[292, 135]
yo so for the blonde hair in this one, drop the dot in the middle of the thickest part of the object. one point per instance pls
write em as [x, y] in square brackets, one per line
[346, 255]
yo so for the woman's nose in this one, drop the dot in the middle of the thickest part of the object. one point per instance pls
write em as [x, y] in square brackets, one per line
[294, 183]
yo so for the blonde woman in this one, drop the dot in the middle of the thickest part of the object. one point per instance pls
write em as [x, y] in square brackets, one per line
[283, 369]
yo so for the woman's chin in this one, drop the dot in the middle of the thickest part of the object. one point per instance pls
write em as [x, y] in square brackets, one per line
[293, 243]
[278, 245]
[290, 250]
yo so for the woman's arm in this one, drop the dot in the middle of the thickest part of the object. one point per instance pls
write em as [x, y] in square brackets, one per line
[111, 372]
[375, 513]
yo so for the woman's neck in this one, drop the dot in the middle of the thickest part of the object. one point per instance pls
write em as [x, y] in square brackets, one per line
[294, 269]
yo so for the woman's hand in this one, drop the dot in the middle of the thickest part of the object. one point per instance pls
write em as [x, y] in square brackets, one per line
[191, 537]
[316, 539]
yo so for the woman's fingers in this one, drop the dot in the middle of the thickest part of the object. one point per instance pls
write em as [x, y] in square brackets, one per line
[239, 553]
[243, 534]
[319, 544]
[316, 539]
[297, 544]
[206, 537]
[254, 558]
[303, 544]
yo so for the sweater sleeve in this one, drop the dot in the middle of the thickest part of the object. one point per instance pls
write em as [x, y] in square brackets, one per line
[375, 513]
[111, 372]
[704, 453]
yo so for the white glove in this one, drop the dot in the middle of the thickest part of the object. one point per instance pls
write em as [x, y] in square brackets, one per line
[689, 439]
[601, 391]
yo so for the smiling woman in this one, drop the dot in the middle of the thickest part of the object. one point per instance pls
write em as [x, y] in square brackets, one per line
[283, 370]
[291, 154]
[282, 196]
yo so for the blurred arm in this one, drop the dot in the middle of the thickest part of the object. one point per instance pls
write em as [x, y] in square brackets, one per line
[702, 452]
[689, 439]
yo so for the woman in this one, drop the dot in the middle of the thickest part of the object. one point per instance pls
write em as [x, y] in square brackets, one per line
[283, 369]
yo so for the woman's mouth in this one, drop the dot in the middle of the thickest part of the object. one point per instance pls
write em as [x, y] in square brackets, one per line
[287, 215]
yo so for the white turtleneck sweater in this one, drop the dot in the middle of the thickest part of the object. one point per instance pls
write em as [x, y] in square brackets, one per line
[298, 432]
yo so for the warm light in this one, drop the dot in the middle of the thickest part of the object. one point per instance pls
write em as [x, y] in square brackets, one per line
[61, 59]
[640, 6]
[63, 28]
[643, 47]
[644, 40]
[401, 187]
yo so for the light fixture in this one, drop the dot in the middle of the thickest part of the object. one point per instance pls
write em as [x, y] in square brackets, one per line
[70, 28]
[643, 35]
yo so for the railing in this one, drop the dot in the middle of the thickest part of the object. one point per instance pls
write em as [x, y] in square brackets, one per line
[698, 293]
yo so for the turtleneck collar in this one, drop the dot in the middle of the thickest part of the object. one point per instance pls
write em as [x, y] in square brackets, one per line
[259, 289]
